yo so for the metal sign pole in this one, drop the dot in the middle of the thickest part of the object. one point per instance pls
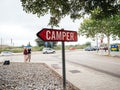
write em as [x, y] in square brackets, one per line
[63, 66]
[59, 35]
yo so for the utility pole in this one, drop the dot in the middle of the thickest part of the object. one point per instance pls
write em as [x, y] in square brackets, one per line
[11, 42]
[97, 42]
[1, 44]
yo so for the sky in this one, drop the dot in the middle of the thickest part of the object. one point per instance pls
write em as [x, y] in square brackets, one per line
[19, 28]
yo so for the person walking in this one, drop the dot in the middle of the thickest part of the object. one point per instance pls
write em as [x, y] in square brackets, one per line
[25, 53]
[29, 54]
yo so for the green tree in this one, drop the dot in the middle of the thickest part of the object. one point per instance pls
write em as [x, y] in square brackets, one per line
[116, 31]
[58, 9]
[87, 44]
[107, 26]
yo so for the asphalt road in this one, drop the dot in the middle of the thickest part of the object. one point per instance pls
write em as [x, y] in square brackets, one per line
[97, 72]
[104, 64]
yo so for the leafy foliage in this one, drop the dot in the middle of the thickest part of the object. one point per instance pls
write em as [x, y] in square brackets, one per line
[116, 25]
[107, 26]
[88, 28]
[58, 9]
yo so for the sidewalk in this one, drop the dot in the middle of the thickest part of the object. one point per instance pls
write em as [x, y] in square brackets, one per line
[112, 54]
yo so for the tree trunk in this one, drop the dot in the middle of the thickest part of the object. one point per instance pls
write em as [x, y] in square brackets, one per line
[108, 45]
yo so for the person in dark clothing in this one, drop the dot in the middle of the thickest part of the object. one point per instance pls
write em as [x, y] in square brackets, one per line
[25, 53]
[29, 54]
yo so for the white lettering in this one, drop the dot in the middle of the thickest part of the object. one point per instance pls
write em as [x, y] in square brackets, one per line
[48, 35]
[58, 35]
[68, 36]
[63, 35]
[53, 35]
[71, 36]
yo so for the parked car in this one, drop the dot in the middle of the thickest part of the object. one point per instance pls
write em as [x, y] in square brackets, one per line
[48, 50]
[72, 48]
[89, 48]
[96, 47]
[6, 53]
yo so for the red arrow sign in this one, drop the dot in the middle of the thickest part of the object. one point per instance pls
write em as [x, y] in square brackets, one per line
[57, 35]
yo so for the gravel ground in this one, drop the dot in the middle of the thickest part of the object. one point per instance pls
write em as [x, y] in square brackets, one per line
[30, 76]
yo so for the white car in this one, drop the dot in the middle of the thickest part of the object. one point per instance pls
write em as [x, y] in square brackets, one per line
[48, 50]
[6, 53]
